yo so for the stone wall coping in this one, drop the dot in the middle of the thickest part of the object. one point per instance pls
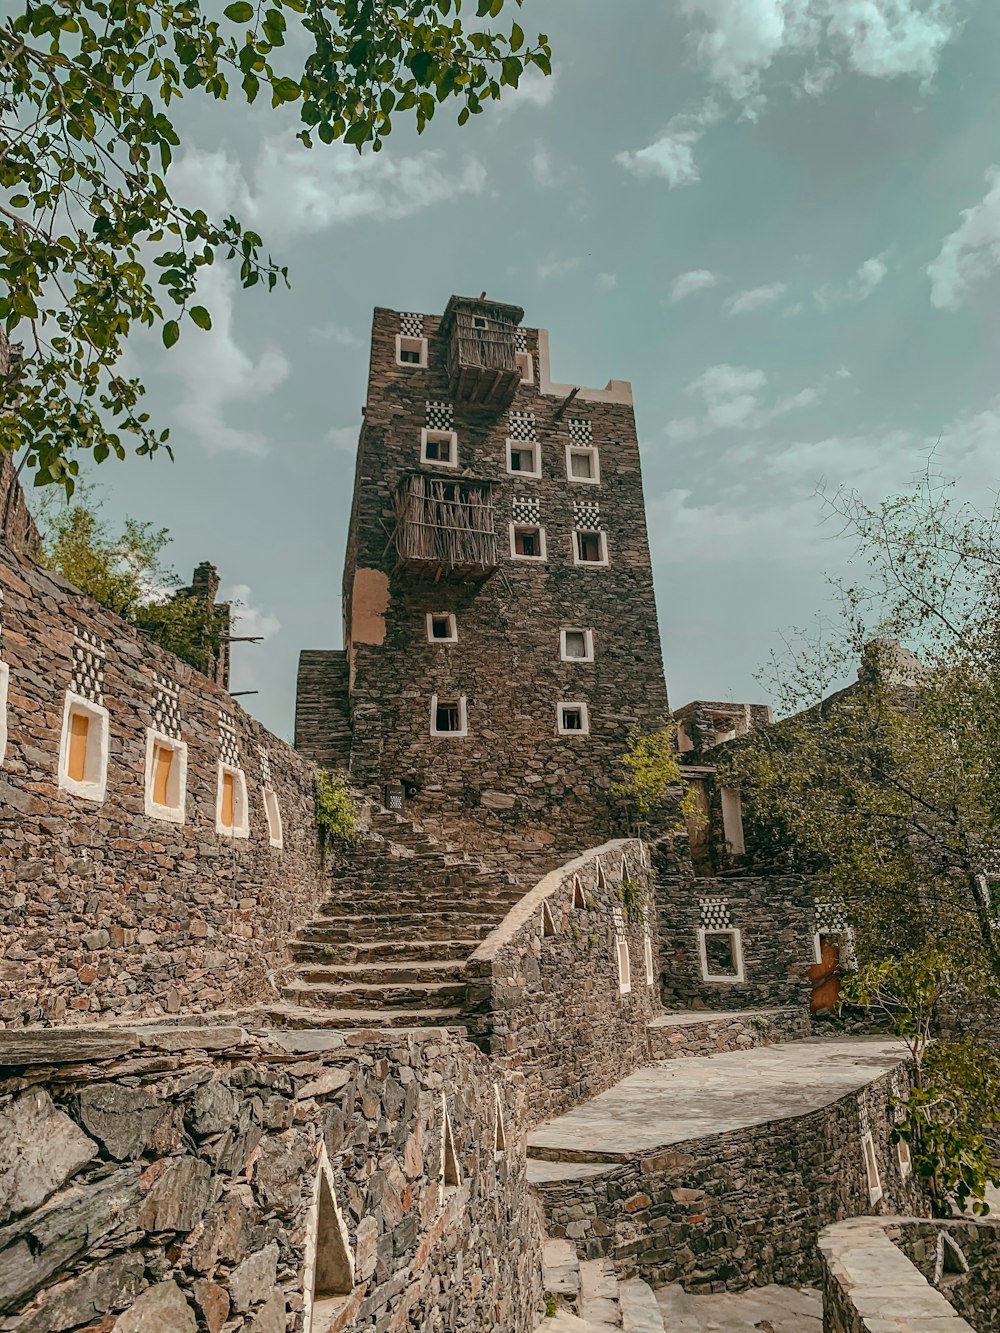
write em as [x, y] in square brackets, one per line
[547, 886]
[878, 1280]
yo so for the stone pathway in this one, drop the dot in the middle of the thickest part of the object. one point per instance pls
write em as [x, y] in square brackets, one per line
[761, 1310]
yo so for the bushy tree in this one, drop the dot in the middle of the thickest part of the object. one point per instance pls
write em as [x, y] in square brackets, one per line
[651, 790]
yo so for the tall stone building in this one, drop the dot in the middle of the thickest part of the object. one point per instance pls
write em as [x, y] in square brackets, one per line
[499, 617]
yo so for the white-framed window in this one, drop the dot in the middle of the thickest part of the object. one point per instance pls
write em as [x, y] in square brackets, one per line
[166, 777]
[903, 1157]
[548, 924]
[411, 351]
[500, 1129]
[83, 748]
[451, 1172]
[272, 813]
[527, 541]
[572, 719]
[442, 627]
[590, 547]
[524, 458]
[576, 645]
[232, 813]
[439, 447]
[871, 1168]
[329, 1261]
[579, 901]
[647, 957]
[4, 687]
[732, 821]
[480, 322]
[526, 365]
[624, 966]
[449, 716]
[720, 949]
[583, 464]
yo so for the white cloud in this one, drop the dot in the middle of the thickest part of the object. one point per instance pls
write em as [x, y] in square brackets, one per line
[543, 169]
[671, 156]
[971, 253]
[755, 298]
[735, 398]
[534, 89]
[606, 282]
[342, 439]
[251, 619]
[215, 374]
[337, 334]
[696, 280]
[554, 267]
[858, 288]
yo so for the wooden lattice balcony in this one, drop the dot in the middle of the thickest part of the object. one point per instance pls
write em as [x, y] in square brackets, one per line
[482, 350]
[445, 528]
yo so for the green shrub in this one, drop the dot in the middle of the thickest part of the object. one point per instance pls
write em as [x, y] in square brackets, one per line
[336, 813]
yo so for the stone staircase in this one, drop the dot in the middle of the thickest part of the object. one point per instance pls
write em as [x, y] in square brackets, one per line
[589, 1298]
[389, 946]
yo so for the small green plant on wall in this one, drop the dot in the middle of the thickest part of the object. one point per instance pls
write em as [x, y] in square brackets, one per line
[336, 813]
[651, 770]
[631, 898]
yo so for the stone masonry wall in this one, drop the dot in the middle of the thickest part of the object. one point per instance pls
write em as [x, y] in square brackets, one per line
[105, 909]
[512, 784]
[169, 1173]
[544, 993]
[975, 1294]
[738, 1209]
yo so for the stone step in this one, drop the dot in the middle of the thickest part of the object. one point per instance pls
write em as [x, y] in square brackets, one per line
[388, 909]
[291, 1015]
[561, 1271]
[417, 995]
[401, 951]
[385, 900]
[639, 1311]
[351, 930]
[382, 974]
[599, 1293]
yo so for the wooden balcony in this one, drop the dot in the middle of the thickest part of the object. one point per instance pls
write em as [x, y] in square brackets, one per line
[445, 528]
[482, 350]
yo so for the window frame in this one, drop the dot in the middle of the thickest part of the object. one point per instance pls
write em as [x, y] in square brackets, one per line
[624, 960]
[647, 957]
[169, 814]
[431, 435]
[240, 828]
[904, 1158]
[731, 805]
[88, 789]
[729, 980]
[452, 636]
[525, 361]
[403, 338]
[875, 1189]
[463, 714]
[593, 452]
[514, 528]
[275, 840]
[588, 642]
[536, 452]
[561, 728]
[602, 536]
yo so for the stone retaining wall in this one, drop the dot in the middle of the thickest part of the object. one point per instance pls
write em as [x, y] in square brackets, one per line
[106, 909]
[974, 1293]
[673, 1036]
[738, 1209]
[544, 992]
[172, 1173]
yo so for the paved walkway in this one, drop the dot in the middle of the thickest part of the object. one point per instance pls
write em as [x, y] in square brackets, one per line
[762, 1310]
[674, 1100]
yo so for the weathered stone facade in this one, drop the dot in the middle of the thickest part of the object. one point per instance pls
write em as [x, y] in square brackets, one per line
[171, 1174]
[512, 786]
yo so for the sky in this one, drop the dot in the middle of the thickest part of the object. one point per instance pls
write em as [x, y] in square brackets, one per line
[779, 219]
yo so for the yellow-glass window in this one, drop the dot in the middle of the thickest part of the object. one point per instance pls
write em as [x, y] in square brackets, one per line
[79, 732]
[163, 761]
[228, 799]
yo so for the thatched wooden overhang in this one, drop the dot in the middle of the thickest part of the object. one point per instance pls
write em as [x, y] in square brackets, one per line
[482, 350]
[445, 527]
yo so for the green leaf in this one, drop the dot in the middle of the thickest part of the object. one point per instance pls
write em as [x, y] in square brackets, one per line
[171, 332]
[19, 201]
[516, 38]
[239, 12]
[201, 316]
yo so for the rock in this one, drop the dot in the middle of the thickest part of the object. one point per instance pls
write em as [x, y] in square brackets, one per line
[40, 1149]
[331, 1080]
[364, 1264]
[160, 1309]
[213, 1109]
[213, 1303]
[285, 1169]
[271, 1317]
[197, 1039]
[59, 1046]
[84, 1299]
[224, 1236]
[122, 1118]
[179, 1197]
[254, 1278]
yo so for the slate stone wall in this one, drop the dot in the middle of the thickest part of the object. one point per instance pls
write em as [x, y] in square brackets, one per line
[974, 1294]
[736, 1032]
[168, 1174]
[735, 1210]
[105, 910]
[512, 785]
[544, 995]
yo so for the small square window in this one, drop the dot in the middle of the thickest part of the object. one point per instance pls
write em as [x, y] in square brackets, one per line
[527, 541]
[573, 719]
[583, 464]
[448, 716]
[439, 446]
[83, 749]
[721, 953]
[411, 351]
[479, 322]
[576, 645]
[524, 457]
[526, 366]
[166, 777]
[272, 812]
[590, 547]
[441, 627]
[232, 819]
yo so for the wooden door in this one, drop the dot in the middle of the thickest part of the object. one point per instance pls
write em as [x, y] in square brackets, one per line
[825, 975]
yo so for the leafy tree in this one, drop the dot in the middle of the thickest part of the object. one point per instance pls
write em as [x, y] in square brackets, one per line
[86, 211]
[652, 778]
[125, 573]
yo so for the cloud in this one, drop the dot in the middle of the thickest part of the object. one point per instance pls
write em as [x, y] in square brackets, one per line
[857, 288]
[696, 280]
[733, 398]
[337, 334]
[971, 253]
[543, 169]
[554, 267]
[671, 156]
[606, 282]
[342, 439]
[755, 298]
[251, 619]
[215, 374]
[534, 89]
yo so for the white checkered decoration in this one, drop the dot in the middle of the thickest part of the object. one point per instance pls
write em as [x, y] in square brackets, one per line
[166, 706]
[265, 768]
[715, 914]
[522, 426]
[520, 340]
[1, 616]
[587, 515]
[580, 430]
[87, 674]
[619, 922]
[440, 416]
[526, 509]
[411, 325]
[831, 919]
[228, 744]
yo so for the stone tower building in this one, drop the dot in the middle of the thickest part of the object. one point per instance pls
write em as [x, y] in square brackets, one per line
[499, 617]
